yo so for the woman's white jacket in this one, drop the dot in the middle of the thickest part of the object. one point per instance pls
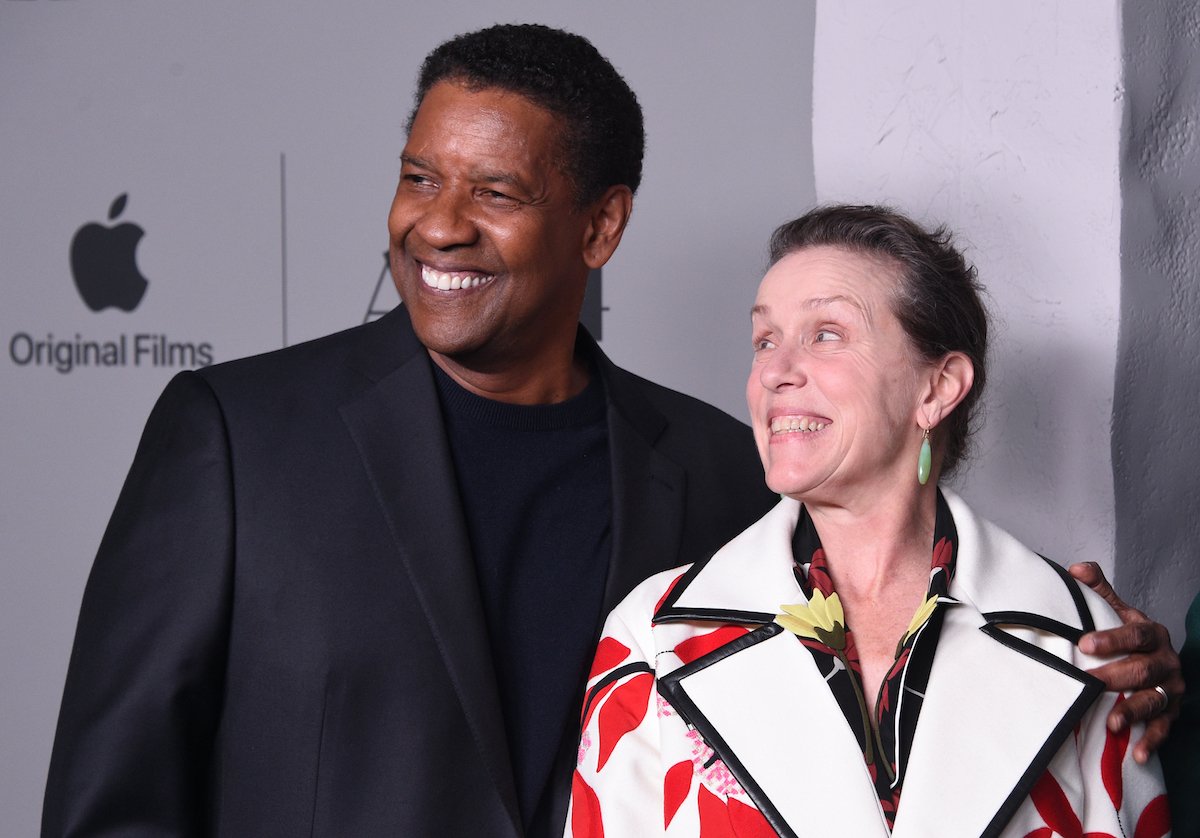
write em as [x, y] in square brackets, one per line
[703, 717]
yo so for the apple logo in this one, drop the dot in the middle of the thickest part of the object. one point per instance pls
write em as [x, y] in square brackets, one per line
[104, 263]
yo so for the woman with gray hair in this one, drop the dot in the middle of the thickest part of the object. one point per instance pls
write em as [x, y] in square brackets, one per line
[872, 657]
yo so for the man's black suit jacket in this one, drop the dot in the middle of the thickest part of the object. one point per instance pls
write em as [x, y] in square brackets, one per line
[282, 635]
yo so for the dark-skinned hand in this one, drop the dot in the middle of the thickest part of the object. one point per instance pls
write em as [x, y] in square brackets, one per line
[1150, 662]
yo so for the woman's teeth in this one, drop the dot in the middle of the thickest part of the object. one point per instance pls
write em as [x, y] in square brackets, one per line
[792, 424]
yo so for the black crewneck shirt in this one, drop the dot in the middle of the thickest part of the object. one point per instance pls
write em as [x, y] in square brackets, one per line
[536, 489]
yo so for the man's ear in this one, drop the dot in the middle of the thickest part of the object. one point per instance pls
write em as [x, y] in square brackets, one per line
[606, 224]
[950, 380]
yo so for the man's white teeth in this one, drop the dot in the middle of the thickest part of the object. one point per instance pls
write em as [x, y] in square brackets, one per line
[454, 280]
[793, 424]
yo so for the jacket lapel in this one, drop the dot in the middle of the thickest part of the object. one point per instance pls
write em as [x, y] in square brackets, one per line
[642, 479]
[763, 707]
[996, 711]
[997, 706]
[397, 427]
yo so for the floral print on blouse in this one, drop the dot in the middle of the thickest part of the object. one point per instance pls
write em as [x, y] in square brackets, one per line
[820, 624]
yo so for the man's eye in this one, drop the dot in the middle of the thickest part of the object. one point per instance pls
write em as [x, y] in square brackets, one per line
[417, 180]
[763, 343]
[499, 197]
[824, 336]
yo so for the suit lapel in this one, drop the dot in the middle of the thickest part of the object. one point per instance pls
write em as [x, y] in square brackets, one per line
[642, 480]
[398, 429]
[648, 488]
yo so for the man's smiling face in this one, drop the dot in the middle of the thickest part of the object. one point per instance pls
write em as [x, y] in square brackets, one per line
[486, 239]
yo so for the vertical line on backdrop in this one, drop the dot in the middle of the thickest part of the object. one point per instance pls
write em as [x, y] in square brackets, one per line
[283, 240]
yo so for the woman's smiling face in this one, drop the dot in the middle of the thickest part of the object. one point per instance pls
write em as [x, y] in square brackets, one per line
[836, 385]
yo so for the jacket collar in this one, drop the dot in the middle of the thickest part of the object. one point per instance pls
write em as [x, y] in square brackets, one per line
[746, 580]
[981, 742]
[750, 577]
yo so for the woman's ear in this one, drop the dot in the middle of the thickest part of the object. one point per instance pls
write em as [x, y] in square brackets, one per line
[606, 224]
[949, 382]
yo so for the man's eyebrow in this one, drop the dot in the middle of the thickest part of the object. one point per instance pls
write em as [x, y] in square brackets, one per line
[498, 177]
[506, 178]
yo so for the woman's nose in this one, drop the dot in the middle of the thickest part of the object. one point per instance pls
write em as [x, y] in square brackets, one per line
[782, 369]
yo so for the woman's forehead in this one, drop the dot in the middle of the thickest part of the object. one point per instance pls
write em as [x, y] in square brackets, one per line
[826, 276]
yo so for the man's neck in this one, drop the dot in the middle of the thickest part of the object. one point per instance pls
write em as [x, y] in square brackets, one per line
[552, 382]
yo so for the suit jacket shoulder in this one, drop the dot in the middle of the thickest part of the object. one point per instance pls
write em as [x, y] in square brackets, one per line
[326, 369]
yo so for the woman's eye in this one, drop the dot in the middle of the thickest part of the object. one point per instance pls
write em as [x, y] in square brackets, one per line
[763, 343]
[824, 336]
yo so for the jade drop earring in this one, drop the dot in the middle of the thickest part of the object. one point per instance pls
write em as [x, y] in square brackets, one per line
[924, 460]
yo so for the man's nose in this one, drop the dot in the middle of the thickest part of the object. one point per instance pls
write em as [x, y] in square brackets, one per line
[446, 220]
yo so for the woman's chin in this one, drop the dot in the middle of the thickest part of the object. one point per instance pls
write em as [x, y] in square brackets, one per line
[791, 485]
